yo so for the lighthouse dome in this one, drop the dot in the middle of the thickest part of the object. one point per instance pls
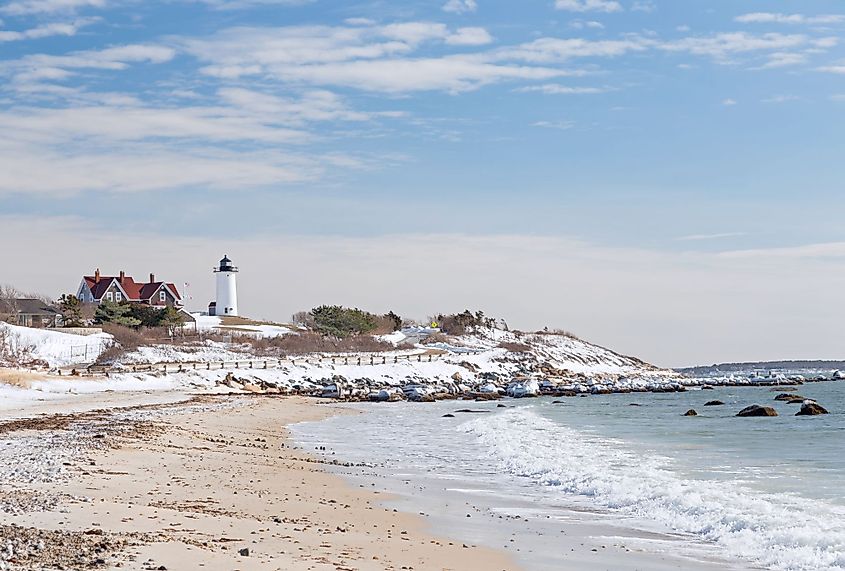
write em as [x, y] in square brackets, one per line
[226, 265]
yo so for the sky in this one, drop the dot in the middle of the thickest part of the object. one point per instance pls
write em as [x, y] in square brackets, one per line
[661, 177]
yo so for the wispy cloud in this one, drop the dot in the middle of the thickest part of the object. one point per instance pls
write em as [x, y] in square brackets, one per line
[589, 5]
[781, 99]
[26, 7]
[822, 250]
[704, 237]
[779, 18]
[460, 6]
[46, 30]
[557, 89]
[559, 125]
[647, 6]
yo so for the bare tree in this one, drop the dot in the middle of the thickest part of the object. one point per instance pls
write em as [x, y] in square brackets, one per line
[9, 303]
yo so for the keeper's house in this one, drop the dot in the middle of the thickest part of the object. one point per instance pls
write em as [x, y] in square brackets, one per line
[122, 288]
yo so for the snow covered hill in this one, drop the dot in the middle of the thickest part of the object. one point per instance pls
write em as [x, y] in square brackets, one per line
[25, 345]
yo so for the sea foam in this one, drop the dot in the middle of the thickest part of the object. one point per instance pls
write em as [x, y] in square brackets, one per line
[783, 532]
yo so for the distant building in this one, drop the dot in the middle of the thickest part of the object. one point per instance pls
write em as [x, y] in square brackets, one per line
[30, 313]
[99, 288]
[227, 289]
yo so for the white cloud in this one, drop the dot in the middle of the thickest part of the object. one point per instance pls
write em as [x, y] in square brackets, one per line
[239, 4]
[647, 6]
[784, 59]
[822, 250]
[781, 99]
[722, 46]
[778, 18]
[378, 58]
[729, 102]
[589, 24]
[559, 125]
[26, 7]
[28, 73]
[460, 6]
[360, 22]
[555, 50]
[588, 5]
[837, 69]
[557, 89]
[46, 30]
[469, 37]
[705, 237]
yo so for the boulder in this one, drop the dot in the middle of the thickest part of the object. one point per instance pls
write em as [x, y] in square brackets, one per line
[788, 397]
[448, 416]
[757, 410]
[811, 408]
[249, 387]
[457, 377]
[714, 403]
[690, 412]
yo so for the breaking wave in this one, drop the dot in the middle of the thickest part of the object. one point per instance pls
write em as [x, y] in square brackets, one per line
[782, 532]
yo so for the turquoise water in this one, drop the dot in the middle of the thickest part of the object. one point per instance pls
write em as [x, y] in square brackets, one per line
[762, 492]
[784, 454]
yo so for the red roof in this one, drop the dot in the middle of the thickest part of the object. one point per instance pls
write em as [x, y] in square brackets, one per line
[134, 291]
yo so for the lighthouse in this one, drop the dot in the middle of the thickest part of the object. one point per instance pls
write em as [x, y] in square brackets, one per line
[227, 288]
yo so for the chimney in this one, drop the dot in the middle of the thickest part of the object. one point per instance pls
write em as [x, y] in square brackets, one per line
[152, 278]
[122, 275]
[97, 276]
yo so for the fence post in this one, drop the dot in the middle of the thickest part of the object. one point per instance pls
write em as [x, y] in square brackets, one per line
[395, 358]
[429, 357]
[359, 360]
[346, 360]
[383, 360]
[419, 358]
[372, 362]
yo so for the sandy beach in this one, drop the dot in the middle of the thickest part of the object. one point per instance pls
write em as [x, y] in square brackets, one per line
[210, 482]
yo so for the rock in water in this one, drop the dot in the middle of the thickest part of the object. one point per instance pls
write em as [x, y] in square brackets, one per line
[757, 410]
[811, 408]
[788, 397]
[714, 403]
[690, 412]
[244, 552]
[448, 416]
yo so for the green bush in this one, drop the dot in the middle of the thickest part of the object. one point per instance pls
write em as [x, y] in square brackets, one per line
[340, 322]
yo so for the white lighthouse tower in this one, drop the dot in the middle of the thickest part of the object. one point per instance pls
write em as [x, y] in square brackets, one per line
[227, 288]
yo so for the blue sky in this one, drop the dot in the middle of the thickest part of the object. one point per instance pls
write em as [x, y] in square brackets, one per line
[683, 134]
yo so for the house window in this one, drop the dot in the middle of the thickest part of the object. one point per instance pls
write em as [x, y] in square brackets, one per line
[110, 296]
[162, 296]
[117, 296]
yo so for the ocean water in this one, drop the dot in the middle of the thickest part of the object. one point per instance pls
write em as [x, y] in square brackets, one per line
[712, 491]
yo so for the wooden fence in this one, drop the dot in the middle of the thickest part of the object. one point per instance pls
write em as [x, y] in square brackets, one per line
[372, 360]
